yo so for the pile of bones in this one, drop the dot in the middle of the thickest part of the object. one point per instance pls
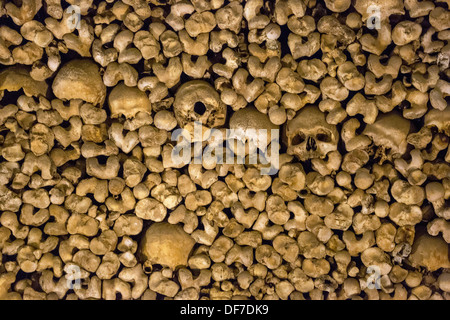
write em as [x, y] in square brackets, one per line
[92, 205]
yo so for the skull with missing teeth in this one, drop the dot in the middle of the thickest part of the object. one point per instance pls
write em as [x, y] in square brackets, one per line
[309, 135]
[198, 101]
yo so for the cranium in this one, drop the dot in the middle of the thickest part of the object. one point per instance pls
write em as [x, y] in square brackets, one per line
[18, 77]
[309, 135]
[439, 119]
[128, 101]
[429, 252]
[249, 118]
[41, 139]
[166, 244]
[389, 133]
[381, 8]
[80, 79]
[198, 101]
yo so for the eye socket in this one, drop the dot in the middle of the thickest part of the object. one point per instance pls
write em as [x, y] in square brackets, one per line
[323, 137]
[297, 139]
[199, 108]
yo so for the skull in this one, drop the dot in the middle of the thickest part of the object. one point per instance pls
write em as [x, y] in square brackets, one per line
[128, 101]
[18, 77]
[389, 133]
[250, 118]
[309, 136]
[384, 8]
[439, 119]
[80, 79]
[166, 244]
[198, 101]
[429, 252]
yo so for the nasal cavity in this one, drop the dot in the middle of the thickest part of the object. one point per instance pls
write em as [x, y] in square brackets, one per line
[311, 144]
[199, 108]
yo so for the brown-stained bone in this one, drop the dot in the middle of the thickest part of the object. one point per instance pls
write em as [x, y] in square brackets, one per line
[166, 244]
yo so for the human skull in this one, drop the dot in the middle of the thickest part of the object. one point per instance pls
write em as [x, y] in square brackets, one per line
[80, 79]
[166, 244]
[389, 133]
[18, 77]
[128, 101]
[309, 135]
[380, 8]
[249, 118]
[198, 101]
[439, 119]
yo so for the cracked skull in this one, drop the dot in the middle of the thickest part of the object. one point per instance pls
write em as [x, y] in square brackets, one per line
[309, 135]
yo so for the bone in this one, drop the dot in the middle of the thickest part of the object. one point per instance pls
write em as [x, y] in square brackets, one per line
[167, 245]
